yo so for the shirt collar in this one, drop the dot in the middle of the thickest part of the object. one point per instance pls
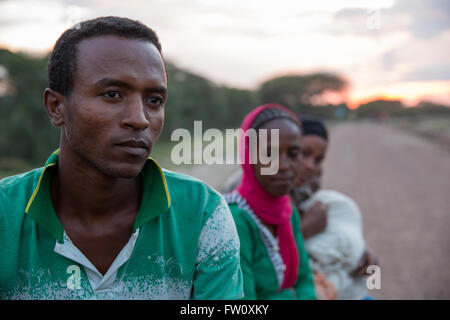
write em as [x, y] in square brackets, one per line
[155, 197]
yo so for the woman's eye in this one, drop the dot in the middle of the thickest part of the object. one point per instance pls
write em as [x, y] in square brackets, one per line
[294, 154]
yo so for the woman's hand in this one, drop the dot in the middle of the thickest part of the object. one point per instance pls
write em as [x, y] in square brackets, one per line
[325, 290]
[314, 220]
[368, 258]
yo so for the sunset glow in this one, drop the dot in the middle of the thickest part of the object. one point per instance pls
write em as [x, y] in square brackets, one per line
[409, 93]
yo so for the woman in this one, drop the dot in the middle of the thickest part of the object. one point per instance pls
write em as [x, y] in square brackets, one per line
[331, 224]
[273, 258]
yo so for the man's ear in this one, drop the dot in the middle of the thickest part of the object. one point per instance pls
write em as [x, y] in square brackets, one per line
[55, 104]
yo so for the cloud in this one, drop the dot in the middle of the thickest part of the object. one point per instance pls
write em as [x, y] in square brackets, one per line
[423, 19]
[419, 53]
[429, 18]
[428, 73]
[421, 59]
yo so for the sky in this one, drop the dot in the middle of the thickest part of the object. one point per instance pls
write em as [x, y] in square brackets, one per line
[392, 49]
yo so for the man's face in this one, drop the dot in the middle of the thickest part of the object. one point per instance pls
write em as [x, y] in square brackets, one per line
[115, 112]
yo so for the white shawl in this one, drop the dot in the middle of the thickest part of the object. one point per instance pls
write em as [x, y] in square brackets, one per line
[336, 251]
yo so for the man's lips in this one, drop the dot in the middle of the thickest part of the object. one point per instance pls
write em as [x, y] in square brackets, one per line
[134, 147]
[134, 144]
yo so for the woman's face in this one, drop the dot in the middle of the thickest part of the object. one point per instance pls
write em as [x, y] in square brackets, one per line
[283, 181]
[313, 153]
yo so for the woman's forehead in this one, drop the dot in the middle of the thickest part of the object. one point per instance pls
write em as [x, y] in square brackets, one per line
[314, 139]
[285, 125]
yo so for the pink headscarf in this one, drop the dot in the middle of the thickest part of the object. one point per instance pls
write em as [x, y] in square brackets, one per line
[270, 209]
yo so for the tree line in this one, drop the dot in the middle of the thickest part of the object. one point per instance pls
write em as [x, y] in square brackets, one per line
[26, 132]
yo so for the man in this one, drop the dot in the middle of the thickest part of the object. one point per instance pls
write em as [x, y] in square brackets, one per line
[101, 220]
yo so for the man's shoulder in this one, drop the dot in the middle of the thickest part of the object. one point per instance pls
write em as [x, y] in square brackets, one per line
[183, 182]
[15, 192]
[19, 184]
[194, 191]
[177, 177]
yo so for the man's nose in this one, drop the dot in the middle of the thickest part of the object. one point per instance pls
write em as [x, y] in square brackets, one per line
[134, 115]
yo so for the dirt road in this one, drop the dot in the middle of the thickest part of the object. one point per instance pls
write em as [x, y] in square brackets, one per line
[402, 185]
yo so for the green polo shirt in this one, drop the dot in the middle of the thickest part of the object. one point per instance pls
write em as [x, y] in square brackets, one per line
[184, 243]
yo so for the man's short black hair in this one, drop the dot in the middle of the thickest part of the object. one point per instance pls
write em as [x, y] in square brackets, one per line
[63, 60]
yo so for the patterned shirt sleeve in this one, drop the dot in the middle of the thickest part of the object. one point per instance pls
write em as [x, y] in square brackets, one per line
[218, 273]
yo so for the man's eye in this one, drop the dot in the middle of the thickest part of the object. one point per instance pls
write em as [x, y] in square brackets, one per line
[155, 101]
[112, 95]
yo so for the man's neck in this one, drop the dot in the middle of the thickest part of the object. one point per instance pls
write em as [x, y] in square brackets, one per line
[86, 194]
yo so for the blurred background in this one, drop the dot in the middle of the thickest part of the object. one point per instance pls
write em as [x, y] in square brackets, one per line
[377, 74]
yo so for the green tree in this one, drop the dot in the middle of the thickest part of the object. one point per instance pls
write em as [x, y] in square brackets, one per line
[25, 130]
[377, 108]
[300, 91]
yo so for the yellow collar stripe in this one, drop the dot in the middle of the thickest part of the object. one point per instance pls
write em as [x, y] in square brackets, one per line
[37, 187]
